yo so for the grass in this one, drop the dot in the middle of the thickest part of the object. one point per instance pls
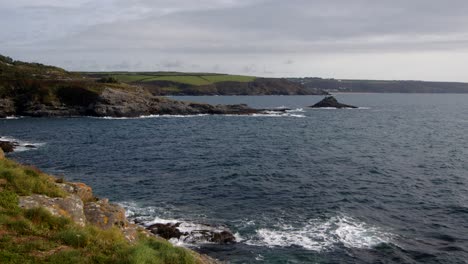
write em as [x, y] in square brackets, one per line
[192, 80]
[36, 236]
[27, 180]
[184, 78]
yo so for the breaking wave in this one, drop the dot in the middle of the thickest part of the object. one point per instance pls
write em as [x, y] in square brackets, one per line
[22, 145]
[322, 235]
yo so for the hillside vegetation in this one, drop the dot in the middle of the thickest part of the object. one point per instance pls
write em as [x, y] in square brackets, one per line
[36, 236]
[178, 83]
[382, 86]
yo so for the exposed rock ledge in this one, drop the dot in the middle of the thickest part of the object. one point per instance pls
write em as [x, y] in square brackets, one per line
[84, 208]
[119, 103]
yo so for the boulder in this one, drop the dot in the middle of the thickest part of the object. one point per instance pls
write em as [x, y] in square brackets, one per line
[7, 146]
[80, 189]
[193, 233]
[166, 231]
[71, 206]
[2, 154]
[223, 237]
[331, 102]
[105, 215]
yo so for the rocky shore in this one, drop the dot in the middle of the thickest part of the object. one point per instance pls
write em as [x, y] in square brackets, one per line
[116, 103]
[82, 207]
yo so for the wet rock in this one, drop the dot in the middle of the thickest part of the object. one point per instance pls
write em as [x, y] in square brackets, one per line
[331, 102]
[8, 146]
[166, 231]
[223, 237]
[193, 233]
[71, 206]
[105, 215]
[30, 146]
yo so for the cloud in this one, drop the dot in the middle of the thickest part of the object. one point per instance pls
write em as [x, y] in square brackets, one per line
[231, 33]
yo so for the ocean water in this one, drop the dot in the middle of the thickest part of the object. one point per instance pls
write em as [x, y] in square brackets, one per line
[386, 183]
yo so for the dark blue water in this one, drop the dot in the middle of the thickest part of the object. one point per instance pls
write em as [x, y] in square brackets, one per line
[383, 184]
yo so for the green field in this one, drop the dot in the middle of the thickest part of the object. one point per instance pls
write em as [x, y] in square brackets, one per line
[185, 78]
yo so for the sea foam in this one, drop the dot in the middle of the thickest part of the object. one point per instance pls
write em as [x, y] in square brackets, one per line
[319, 235]
[22, 145]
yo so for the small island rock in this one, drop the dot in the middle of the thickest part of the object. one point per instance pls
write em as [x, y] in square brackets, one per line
[331, 102]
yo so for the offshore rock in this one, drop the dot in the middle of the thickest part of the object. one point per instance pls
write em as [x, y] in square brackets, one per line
[331, 102]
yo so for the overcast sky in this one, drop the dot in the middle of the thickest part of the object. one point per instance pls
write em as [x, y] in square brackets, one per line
[397, 39]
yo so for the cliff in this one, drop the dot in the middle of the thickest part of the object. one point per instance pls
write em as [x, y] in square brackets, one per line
[31, 89]
[47, 220]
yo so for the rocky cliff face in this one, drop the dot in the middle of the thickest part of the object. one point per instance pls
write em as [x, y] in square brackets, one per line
[117, 103]
[83, 208]
[7, 108]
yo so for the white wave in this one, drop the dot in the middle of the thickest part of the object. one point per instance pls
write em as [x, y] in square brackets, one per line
[297, 110]
[149, 116]
[322, 235]
[22, 145]
[265, 114]
[11, 117]
[195, 236]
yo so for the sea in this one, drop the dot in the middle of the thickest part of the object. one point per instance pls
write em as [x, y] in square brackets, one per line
[384, 183]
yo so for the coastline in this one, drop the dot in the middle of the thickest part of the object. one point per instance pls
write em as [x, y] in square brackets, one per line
[76, 203]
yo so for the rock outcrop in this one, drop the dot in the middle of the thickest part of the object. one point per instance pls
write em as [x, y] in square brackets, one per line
[8, 146]
[71, 206]
[331, 102]
[123, 103]
[118, 103]
[193, 233]
[7, 108]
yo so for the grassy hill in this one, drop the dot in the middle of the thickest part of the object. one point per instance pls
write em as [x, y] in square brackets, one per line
[177, 77]
[179, 83]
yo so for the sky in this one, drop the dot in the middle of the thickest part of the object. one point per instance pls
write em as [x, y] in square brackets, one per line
[346, 39]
